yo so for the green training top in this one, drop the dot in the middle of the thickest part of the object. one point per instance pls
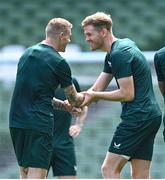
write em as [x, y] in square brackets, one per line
[124, 60]
[62, 121]
[159, 61]
[40, 70]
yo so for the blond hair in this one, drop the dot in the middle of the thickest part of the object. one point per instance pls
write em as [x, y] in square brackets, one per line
[56, 26]
[99, 20]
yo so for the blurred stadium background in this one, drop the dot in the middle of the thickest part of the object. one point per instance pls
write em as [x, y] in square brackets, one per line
[22, 24]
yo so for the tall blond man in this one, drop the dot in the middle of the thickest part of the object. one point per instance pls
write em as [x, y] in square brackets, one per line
[134, 137]
[41, 69]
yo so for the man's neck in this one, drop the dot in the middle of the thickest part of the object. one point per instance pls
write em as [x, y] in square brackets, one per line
[51, 43]
[109, 42]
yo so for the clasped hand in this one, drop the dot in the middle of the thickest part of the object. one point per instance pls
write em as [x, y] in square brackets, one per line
[75, 111]
[88, 99]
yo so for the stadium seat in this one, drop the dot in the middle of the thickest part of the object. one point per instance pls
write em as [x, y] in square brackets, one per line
[130, 18]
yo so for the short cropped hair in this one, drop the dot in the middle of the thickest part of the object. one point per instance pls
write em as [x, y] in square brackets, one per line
[99, 20]
[56, 26]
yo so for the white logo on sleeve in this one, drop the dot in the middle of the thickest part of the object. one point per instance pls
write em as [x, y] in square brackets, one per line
[75, 168]
[110, 65]
[116, 146]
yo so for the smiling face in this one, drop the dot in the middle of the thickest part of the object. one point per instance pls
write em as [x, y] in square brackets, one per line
[98, 30]
[94, 37]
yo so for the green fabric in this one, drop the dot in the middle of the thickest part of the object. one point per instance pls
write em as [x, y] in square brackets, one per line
[40, 70]
[62, 121]
[63, 161]
[159, 61]
[135, 139]
[125, 60]
[32, 148]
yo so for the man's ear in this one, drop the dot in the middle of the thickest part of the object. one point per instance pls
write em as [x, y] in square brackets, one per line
[61, 35]
[104, 32]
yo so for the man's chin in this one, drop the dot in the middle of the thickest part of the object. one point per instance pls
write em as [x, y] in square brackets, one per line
[93, 49]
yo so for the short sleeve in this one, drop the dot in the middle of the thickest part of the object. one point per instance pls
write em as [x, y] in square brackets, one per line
[76, 84]
[121, 64]
[64, 74]
[107, 65]
[158, 68]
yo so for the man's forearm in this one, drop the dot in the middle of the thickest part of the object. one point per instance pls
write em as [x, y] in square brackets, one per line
[115, 95]
[70, 94]
[59, 104]
[74, 98]
[80, 120]
[65, 106]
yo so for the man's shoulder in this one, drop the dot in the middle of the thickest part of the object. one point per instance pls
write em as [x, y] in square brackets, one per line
[160, 55]
[161, 52]
[45, 51]
[118, 54]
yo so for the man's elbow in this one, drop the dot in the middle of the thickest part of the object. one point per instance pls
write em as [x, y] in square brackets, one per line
[130, 97]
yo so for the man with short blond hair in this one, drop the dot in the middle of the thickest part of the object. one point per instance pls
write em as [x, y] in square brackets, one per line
[41, 69]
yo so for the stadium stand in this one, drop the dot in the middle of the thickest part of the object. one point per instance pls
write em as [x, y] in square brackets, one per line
[22, 22]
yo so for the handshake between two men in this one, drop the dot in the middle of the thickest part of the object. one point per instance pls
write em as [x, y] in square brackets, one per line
[75, 104]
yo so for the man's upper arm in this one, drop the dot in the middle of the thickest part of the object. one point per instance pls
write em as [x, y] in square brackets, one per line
[160, 72]
[102, 81]
[158, 68]
[76, 84]
[64, 74]
[126, 86]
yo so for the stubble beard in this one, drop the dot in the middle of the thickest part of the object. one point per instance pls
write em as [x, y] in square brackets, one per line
[96, 47]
